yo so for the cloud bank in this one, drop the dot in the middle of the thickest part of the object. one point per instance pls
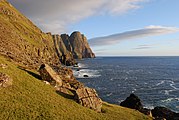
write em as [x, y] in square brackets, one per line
[56, 15]
[130, 35]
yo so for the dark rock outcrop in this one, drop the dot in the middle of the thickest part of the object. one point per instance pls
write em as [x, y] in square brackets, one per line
[5, 80]
[85, 76]
[164, 113]
[132, 102]
[88, 97]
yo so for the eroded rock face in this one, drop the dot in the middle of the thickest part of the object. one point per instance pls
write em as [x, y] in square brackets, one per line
[80, 46]
[88, 97]
[164, 113]
[63, 53]
[77, 45]
[67, 77]
[65, 38]
[49, 75]
[5, 80]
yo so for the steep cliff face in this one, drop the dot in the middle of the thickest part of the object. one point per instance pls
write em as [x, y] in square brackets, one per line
[65, 38]
[22, 41]
[63, 53]
[77, 44]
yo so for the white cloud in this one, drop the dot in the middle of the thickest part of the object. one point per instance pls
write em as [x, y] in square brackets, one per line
[61, 13]
[139, 47]
[130, 35]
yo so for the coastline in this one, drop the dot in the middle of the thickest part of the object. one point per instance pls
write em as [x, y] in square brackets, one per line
[94, 82]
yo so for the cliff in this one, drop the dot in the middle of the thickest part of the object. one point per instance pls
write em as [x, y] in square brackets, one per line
[72, 47]
[65, 56]
[80, 46]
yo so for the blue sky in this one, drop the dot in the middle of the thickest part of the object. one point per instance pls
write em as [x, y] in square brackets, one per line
[113, 27]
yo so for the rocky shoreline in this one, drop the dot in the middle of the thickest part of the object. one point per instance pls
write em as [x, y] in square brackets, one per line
[89, 98]
[158, 113]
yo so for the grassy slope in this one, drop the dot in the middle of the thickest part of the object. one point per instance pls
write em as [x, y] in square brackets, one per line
[29, 98]
[22, 40]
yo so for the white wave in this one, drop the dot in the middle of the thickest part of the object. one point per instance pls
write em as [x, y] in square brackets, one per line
[148, 106]
[173, 86]
[160, 83]
[109, 94]
[86, 72]
[134, 90]
[166, 92]
[80, 65]
[170, 100]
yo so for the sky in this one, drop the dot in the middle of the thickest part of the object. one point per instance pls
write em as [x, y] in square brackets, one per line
[113, 27]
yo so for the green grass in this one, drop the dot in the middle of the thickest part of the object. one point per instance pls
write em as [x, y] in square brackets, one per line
[29, 98]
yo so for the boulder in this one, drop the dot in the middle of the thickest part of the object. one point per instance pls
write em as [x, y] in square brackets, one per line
[164, 113]
[49, 75]
[88, 97]
[5, 80]
[4, 66]
[67, 77]
[85, 76]
[132, 102]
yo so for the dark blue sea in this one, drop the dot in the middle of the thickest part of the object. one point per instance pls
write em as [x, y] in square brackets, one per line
[155, 80]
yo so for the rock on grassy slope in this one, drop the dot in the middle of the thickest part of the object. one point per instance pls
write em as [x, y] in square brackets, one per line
[23, 44]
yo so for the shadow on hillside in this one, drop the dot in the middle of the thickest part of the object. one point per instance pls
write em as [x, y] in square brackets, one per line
[31, 73]
[68, 96]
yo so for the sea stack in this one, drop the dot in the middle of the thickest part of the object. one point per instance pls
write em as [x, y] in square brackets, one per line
[79, 45]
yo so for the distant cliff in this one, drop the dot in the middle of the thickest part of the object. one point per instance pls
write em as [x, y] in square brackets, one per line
[72, 47]
[76, 45]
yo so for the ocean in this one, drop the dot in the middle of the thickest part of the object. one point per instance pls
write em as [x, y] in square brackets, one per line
[155, 80]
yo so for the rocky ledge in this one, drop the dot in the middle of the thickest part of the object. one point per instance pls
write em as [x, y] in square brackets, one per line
[64, 82]
[158, 113]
